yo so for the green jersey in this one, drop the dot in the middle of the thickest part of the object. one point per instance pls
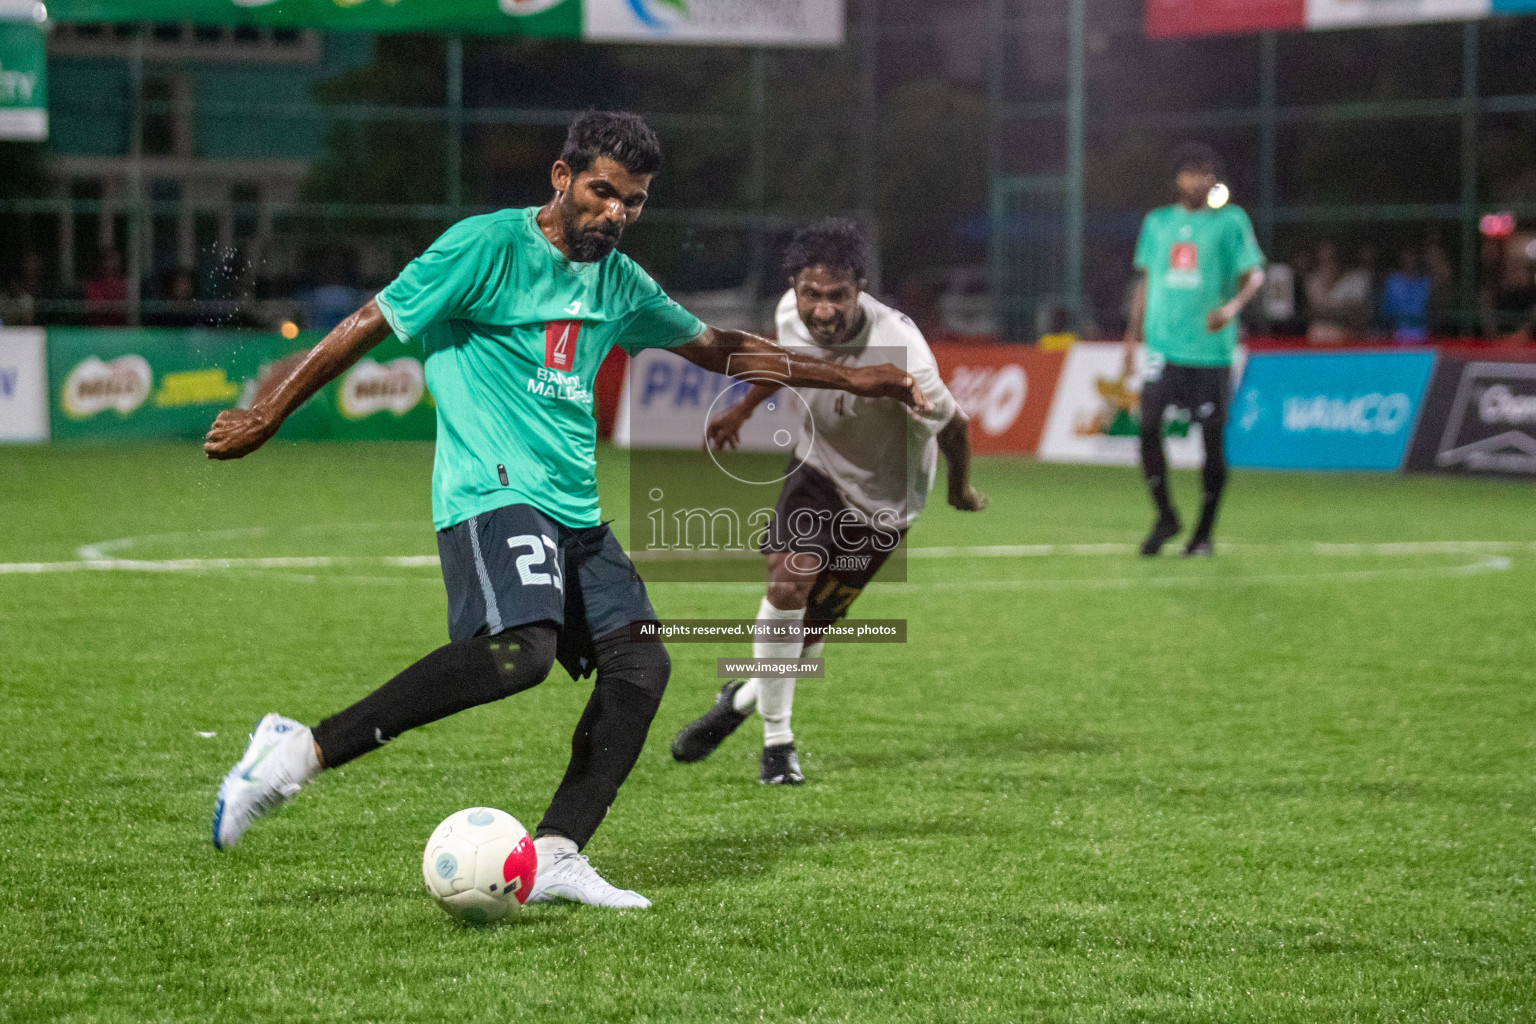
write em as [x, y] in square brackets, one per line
[513, 334]
[1193, 259]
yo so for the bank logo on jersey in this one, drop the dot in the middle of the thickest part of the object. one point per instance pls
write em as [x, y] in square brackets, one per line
[1183, 265]
[560, 337]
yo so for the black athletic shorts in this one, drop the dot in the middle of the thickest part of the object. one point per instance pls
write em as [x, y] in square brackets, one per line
[1205, 391]
[813, 521]
[515, 565]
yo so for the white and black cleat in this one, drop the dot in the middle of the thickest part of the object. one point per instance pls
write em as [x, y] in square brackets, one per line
[703, 736]
[571, 878]
[781, 766]
[278, 761]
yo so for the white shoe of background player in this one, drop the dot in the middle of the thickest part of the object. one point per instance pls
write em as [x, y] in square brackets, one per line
[278, 761]
[567, 877]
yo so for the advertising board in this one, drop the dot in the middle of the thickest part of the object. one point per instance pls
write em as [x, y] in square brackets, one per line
[1327, 410]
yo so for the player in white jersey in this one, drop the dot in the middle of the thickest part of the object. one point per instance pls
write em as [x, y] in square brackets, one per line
[860, 475]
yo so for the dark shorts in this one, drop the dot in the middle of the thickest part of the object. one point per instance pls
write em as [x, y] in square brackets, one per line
[813, 521]
[515, 565]
[1205, 391]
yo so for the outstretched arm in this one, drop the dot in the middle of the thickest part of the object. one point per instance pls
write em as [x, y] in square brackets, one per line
[955, 446]
[748, 357]
[238, 432]
[724, 431]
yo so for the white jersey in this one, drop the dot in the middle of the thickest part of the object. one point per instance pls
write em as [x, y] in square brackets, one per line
[878, 455]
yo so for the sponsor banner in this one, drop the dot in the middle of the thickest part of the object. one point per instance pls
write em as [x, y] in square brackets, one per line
[1166, 18]
[517, 17]
[165, 384]
[1479, 417]
[23, 73]
[1169, 18]
[1095, 415]
[1314, 410]
[1351, 13]
[1006, 391]
[667, 402]
[125, 384]
[23, 386]
[751, 22]
[746, 22]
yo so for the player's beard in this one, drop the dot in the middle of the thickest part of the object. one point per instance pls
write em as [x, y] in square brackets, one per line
[587, 245]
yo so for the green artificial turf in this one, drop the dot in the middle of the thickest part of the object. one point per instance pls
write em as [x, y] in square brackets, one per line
[1293, 783]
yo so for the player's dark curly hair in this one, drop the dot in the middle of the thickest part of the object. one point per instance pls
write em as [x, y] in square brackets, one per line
[1197, 156]
[622, 137]
[836, 243]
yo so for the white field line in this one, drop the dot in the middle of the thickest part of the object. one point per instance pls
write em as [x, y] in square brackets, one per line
[1496, 563]
[99, 563]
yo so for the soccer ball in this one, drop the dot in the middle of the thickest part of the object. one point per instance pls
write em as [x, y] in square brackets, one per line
[479, 865]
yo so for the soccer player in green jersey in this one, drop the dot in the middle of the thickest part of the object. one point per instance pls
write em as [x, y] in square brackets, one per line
[1198, 264]
[515, 311]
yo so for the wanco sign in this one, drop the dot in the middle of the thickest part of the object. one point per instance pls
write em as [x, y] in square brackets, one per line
[1480, 418]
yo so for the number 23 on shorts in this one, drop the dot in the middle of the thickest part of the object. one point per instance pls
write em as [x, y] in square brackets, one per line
[537, 549]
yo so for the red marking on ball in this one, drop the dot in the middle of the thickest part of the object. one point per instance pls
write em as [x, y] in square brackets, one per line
[522, 864]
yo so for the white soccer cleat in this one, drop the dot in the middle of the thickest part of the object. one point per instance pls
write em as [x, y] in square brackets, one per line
[278, 761]
[570, 878]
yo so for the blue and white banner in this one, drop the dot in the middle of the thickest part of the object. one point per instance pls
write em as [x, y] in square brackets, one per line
[1314, 410]
[667, 402]
[745, 22]
[23, 385]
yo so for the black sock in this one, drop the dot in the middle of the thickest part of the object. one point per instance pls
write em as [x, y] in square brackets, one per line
[631, 678]
[1214, 478]
[1158, 487]
[462, 675]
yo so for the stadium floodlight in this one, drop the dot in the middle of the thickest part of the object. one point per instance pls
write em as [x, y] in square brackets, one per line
[1218, 196]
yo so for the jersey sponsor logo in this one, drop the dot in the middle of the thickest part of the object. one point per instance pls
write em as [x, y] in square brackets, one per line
[560, 337]
[1183, 265]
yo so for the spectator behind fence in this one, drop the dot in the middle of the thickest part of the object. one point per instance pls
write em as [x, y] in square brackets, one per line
[1339, 302]
[1405, 299]
[18, 298]
[106, 293]
[175, 296]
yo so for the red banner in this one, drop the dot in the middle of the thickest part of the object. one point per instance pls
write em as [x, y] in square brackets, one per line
[1006, 390]
[1168, 18]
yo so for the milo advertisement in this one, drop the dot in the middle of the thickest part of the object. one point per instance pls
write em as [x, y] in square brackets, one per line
[109, 385]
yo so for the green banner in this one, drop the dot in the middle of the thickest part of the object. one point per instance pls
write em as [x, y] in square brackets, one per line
[23, 80]
[123, 385]
[514, 17]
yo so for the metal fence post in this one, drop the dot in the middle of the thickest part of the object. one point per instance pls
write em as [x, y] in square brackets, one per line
[454, 171]
[1467, 301]
[1076, 109]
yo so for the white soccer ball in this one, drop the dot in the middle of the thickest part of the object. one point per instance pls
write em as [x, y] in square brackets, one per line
[479, 865]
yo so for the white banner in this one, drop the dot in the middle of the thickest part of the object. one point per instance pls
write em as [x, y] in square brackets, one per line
[1346, 13]
[1093, 418]
[747, 22]
[667, 402]
[23, 385]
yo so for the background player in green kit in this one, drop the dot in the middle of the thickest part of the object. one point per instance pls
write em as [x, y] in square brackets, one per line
[1198, 265]
[515, 311]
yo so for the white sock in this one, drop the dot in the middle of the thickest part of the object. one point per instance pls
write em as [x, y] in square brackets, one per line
[550, 847]
[745, 699]
[300, 760]
[776, 694]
